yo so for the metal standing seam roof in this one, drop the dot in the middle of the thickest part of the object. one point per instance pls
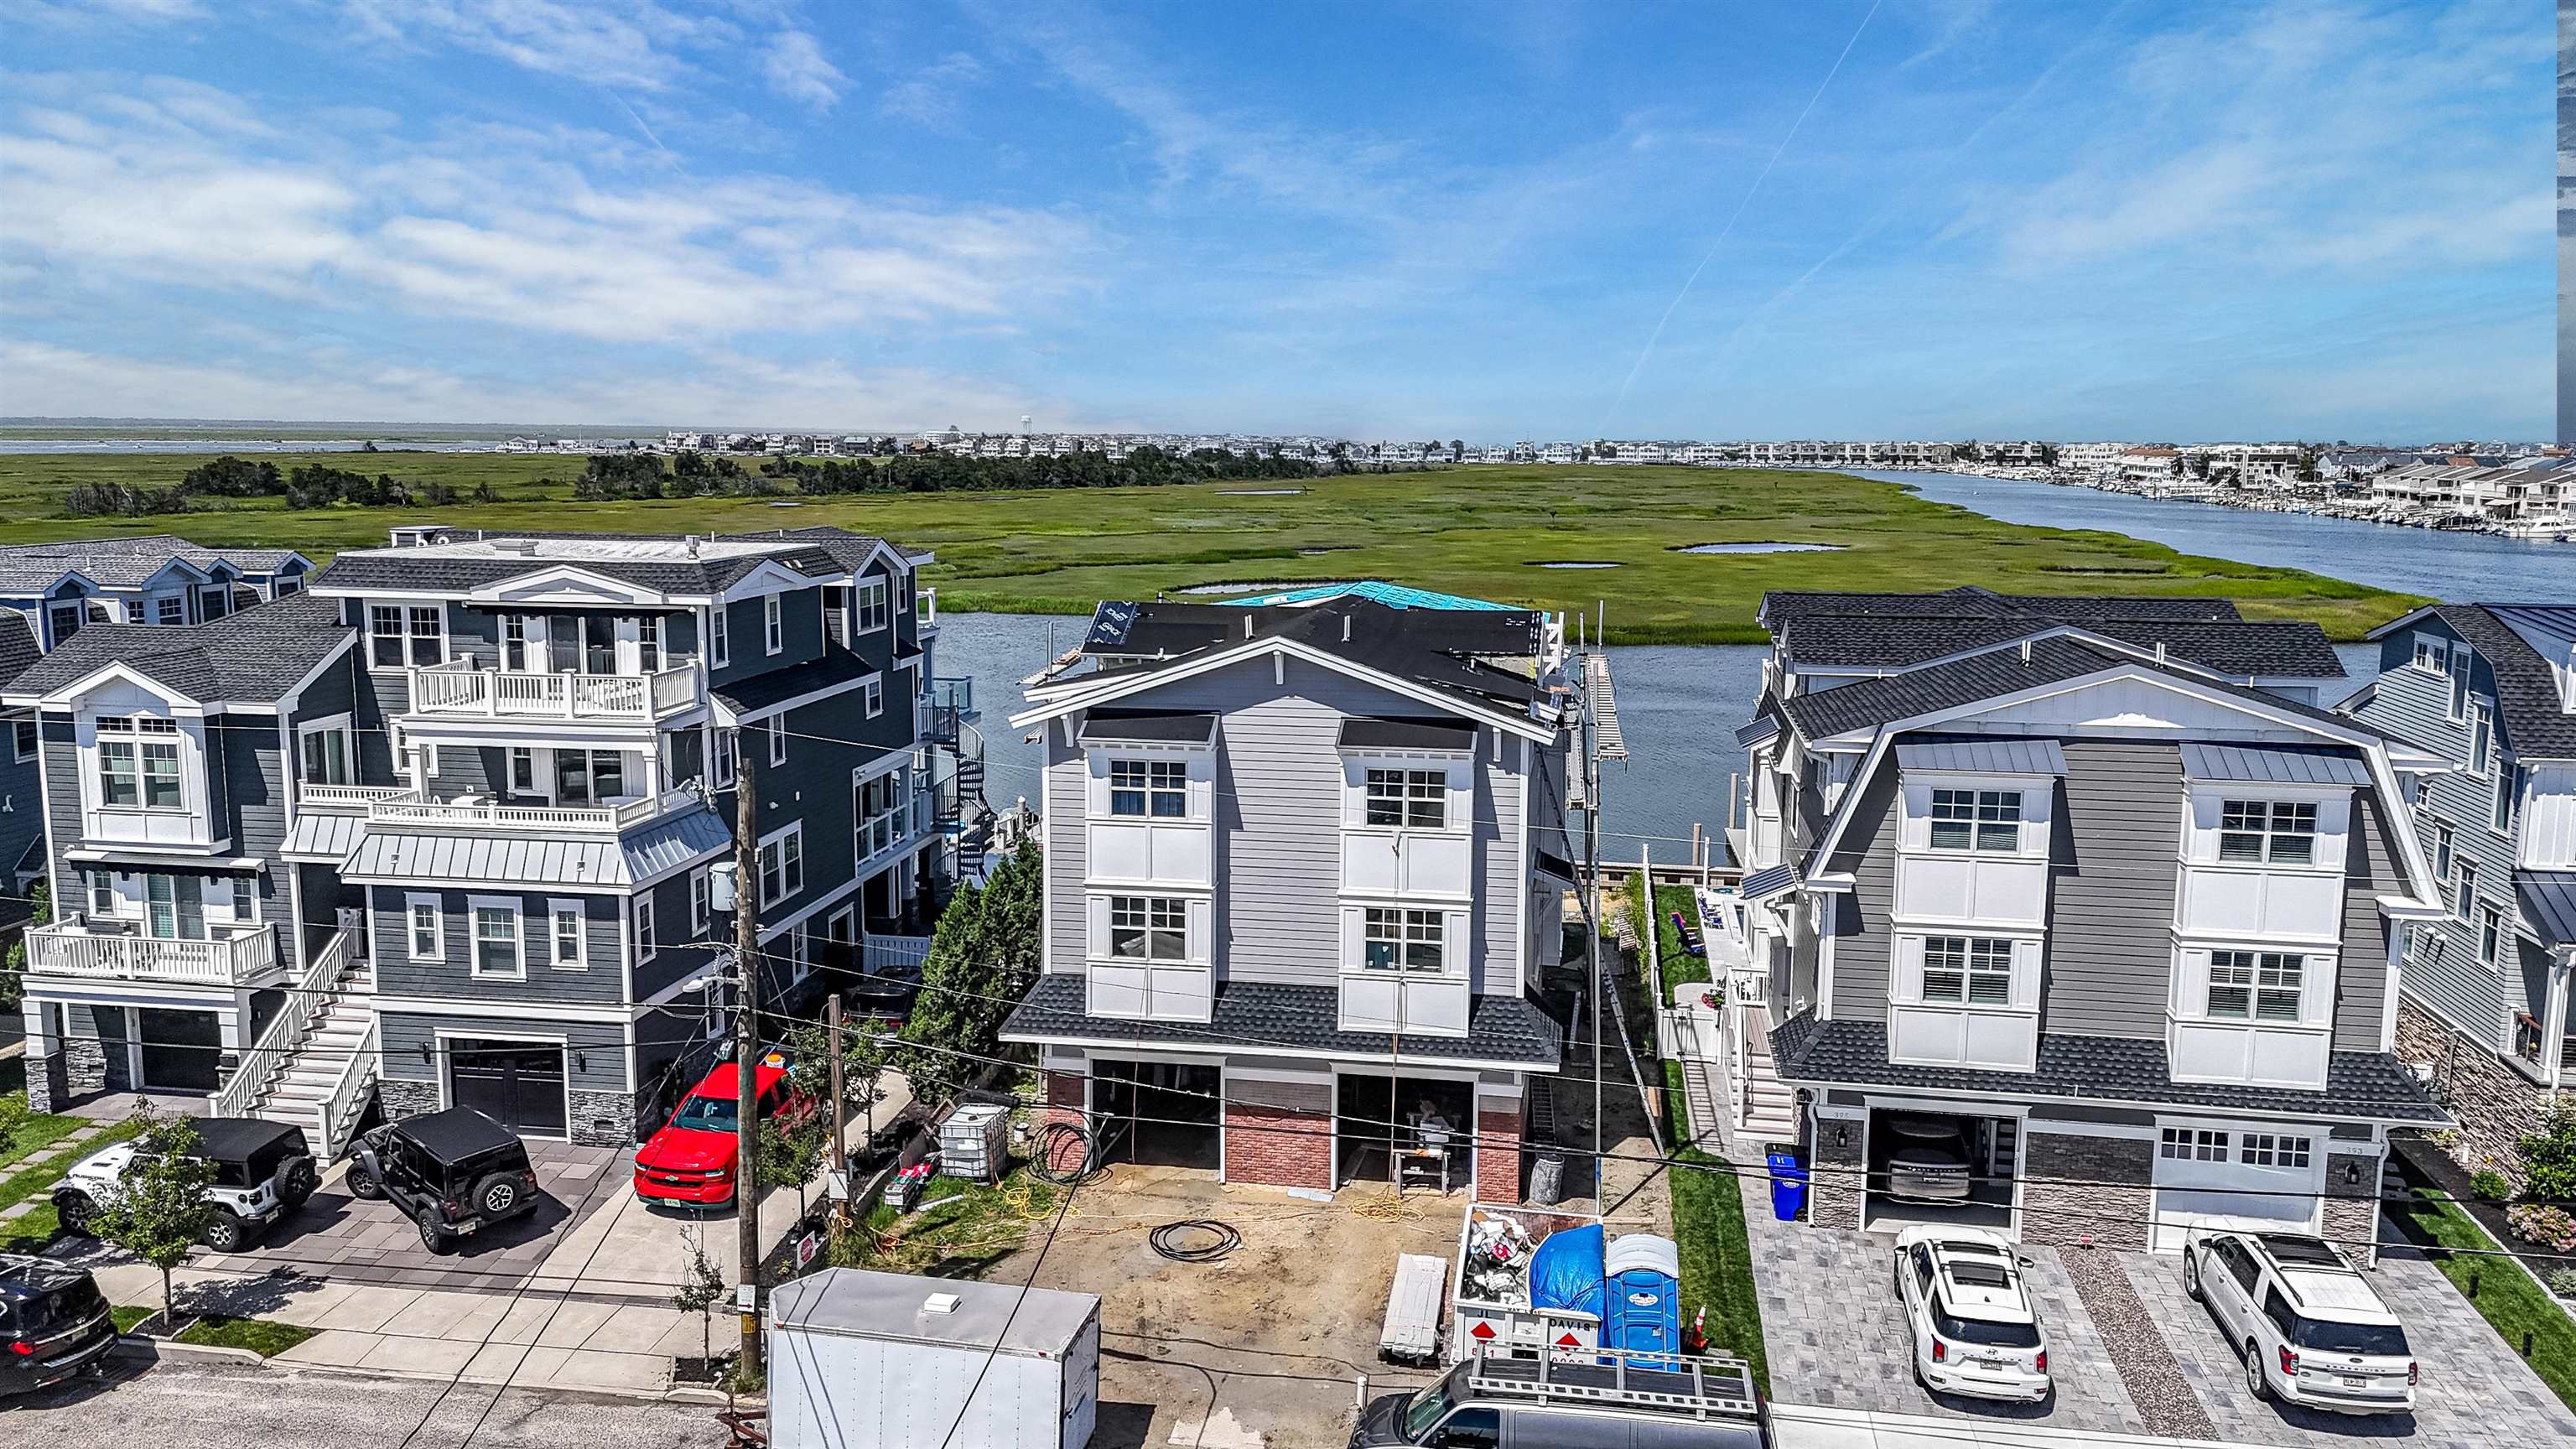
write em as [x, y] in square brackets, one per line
[1765, 726]
[1994, 755]
[1769, 881]
[2549, 903]
[2274, 764]
[989, 1317]
[567, 860]
[322, 835]
[1167, 727]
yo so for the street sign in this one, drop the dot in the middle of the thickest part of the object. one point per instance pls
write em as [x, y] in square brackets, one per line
[746, 1297]
[836, 1184]
[806, 1247]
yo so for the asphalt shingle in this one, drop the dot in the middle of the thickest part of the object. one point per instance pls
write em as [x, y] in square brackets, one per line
[2536, 724]
[1251, 1015]
[254, 656]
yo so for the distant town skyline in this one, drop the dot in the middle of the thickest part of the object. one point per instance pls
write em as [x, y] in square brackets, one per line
[1858, 219]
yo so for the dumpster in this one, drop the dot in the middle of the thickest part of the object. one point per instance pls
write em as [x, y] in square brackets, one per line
[1788, 1186]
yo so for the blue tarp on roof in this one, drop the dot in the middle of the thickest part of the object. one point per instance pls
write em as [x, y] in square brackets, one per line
[1376, 591]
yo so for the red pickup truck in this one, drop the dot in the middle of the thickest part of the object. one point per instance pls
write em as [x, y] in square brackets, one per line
[690, 1162]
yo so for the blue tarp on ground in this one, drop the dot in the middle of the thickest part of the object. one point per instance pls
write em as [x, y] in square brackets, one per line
[1565, 1272]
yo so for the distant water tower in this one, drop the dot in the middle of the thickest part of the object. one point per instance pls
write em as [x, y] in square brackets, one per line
[1024, 423]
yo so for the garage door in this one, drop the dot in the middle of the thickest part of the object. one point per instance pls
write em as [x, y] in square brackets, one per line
[181, 1049]
[2213, 1180]
[517, 1085]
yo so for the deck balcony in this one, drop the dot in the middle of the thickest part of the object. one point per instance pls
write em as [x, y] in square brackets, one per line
[231, 956]
[460, 690]
[411, 809]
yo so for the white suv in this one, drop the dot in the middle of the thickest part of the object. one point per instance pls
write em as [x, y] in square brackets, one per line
[1973, 1328]
[262, 1172]
[2311, 1329]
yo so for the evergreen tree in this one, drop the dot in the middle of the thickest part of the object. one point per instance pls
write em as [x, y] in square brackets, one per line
[983, 958]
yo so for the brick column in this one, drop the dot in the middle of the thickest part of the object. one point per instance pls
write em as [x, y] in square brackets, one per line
[1277, 1147]
[2352, 1209]
[1498, 1155]
[1837, 1173]
[2075, 1189]
[1064, 1096]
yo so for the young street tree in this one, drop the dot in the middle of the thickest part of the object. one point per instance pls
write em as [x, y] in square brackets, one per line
[702, 1287]
[162, 1209]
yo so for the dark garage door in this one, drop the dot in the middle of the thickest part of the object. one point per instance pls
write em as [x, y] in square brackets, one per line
[180, 1049]
[519, 1086]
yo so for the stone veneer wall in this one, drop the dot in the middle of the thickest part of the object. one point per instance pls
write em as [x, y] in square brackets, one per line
[2496, 1105]
[601, 1119]
[1837, 1177]
[400, 1097]
[2079, 1188]
[48, 1084]
[2352, 1211]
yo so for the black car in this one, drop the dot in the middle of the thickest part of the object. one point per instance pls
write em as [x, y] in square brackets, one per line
[452, 1173]
[53, 1323]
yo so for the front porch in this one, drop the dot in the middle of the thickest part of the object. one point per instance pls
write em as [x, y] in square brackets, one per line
[94, 1041]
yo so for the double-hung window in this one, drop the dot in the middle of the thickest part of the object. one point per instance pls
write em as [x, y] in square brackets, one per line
[496, 938]
[872, 696]
[2428, 652]
[773, 628]
[1149, 928]
[2459, 672]
[1969, 970]
[2266, 1149]
[397, 636]
[2491, 935]
[2481, 737]
[1155, 788]
[719, 637]
[1976, 820]
[648, 644]
[1413, 799]
[778, 738]
[2507, 777]
[782, 864]
[2255, 985]
[726, 743]
[514, 641]
[102, 893]
[138, 762]
[2466, 895]
[2442, 853]
[26, 737]
[523, 769]
[2277, 832]
[326, 755]
[565, 926]
[701, 898]
[1402, 940]
[2191, 1144]
[872, 605]
[644, 943]
[425, 928]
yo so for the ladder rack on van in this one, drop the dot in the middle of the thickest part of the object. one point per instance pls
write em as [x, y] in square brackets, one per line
[1714, 1387]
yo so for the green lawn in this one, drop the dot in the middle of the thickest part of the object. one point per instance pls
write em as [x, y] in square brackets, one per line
[2505, 1294]
[20, 1181]
[263, 1336]
[126, 1315]
[36, 1133]
[1717, 1256]
[961, 1238]
[1482, 531]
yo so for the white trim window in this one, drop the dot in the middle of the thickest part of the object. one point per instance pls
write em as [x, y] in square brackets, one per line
[170, 609]
[2491, 936]
[2507, 784]
[138, 763]
[702, 888]
[2191, 1144]
[1988, 820]
[399, 636]
[871, 606]
[27, 739]
[425, 927]
[773, 625]
[1406, 799]
[1159, 789]
[2465, 894]
[498, 949]
[2273, 1149]
[648, 643]
[872, 695]
[719, 637]
[1968, 970]
[523, 770]
[2257, 986]
[880, 807]
[568, 936]
[2459, 672]
[782, 863]
[2267, 832]
[777, 728]
[2442, 842]
[102, 892]
[514, 642]
[1149, 928]
[2429, 653]
[1396, 939]
[644, 942]
[727, 746]
[323, 752]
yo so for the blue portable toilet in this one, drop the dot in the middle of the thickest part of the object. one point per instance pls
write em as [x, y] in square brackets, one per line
[1566, 1271]
[1641, 1294]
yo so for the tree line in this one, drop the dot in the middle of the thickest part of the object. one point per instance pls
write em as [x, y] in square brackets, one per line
[311, 485]
[616, 476]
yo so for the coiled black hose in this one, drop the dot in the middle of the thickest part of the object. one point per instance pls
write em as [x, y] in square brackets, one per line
[1167, 1240]
[1059, 1141]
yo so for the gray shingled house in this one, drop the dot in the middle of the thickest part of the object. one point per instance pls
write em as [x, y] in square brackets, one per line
[2087, 895]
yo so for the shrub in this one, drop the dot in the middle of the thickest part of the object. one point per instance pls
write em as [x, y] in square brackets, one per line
[2549, 1155]
[2553, 1228]
[2492, 1185]
[2562, 1282]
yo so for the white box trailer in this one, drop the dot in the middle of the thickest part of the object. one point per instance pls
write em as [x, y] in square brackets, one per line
[1492, 1313]
[861, 1360]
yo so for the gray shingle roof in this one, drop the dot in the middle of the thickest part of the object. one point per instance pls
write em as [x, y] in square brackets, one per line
[2373, 1085]
[2273, 649]
[122, 562]
[1827, 630]
[439, 568]
[849, 550]
[1251, 1015]
[2536, 724]
[1442, 649]
[2274, 764]
[18, 648]
[836, 667]
[2549, 903]
[254, 656]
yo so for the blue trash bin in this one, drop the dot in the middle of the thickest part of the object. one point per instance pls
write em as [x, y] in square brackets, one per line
[1788, 1186]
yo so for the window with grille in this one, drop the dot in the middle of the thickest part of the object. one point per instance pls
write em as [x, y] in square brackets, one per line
[2507, 777]
[872, 605]
[1413, 799]
[773, 629]
[2276, 832]
[496, 941]
[2191, 1144]
[1971, 970]
[1400, 940]
[426, 931]
[1149, 928]
[782, 865]
[1156, 788]
[2490, 935]
[2264, 1149]
[2255, 985]
[138, 762]
[1976, 820]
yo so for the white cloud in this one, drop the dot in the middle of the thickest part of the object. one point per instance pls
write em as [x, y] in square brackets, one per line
[797, 70]
[537, 231]
[928, 94]
[630, 42]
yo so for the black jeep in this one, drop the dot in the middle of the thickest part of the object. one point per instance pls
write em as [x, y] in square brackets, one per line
[452, 1173]
[53, 1323]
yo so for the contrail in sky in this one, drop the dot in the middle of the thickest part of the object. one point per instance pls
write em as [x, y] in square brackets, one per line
[1706, 257]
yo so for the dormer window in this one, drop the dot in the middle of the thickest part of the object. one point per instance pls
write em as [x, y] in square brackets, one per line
[872, 605]
[1155, 788]
[138, 762]
[2276, 832]
[2255, 985]
[1411, 799]
[1976, 820]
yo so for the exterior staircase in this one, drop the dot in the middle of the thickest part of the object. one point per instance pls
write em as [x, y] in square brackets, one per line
[315, 1064]
[1769, 1109]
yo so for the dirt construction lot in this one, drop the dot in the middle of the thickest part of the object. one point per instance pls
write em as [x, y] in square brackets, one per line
[1266, 1347]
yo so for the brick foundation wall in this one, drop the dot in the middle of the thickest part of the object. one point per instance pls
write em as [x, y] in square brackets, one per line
[2079, 1187]
[1837, 1178]
[1498, 1156]
[1278, 1147]
[2352, 1211]
[2496, 1105]
[1064, 1094]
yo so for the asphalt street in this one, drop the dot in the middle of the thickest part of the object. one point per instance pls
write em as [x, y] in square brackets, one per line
[192, 1406]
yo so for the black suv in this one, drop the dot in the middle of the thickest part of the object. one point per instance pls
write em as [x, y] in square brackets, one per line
[53, 1323]
[452, 1173]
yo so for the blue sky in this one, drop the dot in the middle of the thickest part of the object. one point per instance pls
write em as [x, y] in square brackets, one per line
[1494, 220]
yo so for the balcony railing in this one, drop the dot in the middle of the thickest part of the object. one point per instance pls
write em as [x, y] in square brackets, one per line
[234, 956]
[893, 955]
[409, 808]
[345, 797]
[459, 688]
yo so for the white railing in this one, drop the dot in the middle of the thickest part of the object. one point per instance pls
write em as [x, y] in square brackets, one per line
[925, 608]
[409, 808]
[231, 960]
[286, 1031]
[349, 1094]
[878, 833]
[359, 796]
[458, 688]
[898, 955]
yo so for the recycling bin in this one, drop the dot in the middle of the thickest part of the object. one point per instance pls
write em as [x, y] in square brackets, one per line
[1788, 1185]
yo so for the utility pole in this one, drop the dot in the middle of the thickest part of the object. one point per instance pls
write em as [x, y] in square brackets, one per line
[840, 1153]
[1592, 889]
[746, 1042]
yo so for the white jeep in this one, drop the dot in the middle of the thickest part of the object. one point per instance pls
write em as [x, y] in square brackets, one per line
[263, 1171]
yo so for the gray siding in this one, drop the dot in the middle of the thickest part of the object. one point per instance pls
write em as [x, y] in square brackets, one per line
[2109, 962]
[594, 1051]
[62, 787]
[1861, 939]
[255, 785]
[2372, 867]
[397, 974]
[1062, 805]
